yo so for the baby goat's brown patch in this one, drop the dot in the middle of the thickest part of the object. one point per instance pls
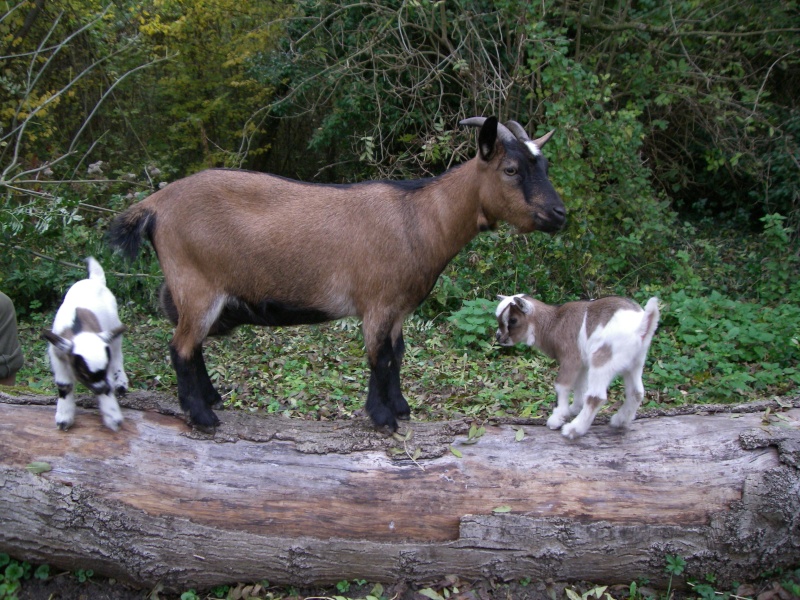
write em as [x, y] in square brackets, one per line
[594, 401]
[88, 320]
[601, 356]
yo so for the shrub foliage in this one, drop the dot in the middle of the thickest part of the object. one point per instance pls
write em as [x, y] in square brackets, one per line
[675, 152]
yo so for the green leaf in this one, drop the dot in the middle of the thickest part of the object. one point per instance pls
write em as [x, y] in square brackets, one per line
[39, 467]
[502, 509]
[429, 593]
[573, 595]
[456, 453]
[520, 435]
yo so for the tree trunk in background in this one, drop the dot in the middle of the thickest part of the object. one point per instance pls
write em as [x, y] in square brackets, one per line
[307, 502]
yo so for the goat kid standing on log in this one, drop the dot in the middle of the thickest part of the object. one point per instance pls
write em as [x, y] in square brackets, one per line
[242, 247]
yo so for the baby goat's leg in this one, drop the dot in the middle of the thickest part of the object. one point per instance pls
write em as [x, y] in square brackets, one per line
[112, 415]
[579, 393]
[119, 380]
[634, 394]
[596, 395]
[565, 381]
[65, 407]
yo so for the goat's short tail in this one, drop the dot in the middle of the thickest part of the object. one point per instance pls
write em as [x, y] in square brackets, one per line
[649, 321]
[95, 270]
[128, 229]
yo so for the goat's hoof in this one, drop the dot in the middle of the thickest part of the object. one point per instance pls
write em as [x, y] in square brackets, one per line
[387, 423]
[112, 425]
[206, 422]
[555, 422]
[120, 391]
[64, 425]
[570, 432]
[618, 422]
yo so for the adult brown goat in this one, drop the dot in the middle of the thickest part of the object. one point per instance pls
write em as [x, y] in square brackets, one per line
[240, 247]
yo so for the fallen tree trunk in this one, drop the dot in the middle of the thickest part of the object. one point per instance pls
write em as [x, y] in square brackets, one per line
[304, 502]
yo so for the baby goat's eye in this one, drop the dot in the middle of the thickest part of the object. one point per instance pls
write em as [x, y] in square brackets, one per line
[512, 321]
[510, 171]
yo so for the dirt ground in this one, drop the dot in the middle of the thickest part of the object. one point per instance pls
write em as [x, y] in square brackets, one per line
[66, 587]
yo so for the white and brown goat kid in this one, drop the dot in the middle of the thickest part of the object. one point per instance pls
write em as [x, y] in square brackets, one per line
[85, 346]
[241, 247]
[593, 342]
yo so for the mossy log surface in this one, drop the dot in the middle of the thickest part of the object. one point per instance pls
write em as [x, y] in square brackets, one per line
[308, 502]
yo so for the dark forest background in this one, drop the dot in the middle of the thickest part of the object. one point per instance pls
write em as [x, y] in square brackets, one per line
[676, 149]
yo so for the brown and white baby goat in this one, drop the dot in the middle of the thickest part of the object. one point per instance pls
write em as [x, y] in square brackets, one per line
[85, 346]
[240, 247]
[593, 341]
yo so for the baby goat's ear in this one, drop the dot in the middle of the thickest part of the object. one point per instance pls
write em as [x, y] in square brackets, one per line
[107, 336]
[522, 304]
[501, 297]
[57, 341]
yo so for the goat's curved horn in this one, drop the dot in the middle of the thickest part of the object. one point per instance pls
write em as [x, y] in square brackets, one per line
[518, 131]
[543, 140]
[473, 122]
[522, 136]
[502, 130]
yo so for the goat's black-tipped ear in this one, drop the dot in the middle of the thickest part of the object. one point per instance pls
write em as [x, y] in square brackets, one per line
[487, 138]
[57, 341]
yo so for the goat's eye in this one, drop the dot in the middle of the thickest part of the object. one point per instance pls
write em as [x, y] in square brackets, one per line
[510, 171]
[512, 322]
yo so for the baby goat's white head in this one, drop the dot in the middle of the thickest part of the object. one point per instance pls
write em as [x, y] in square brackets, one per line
[513, 323]
[87, 350]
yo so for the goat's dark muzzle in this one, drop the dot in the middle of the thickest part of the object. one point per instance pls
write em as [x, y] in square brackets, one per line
[555, 220]
[549, 220]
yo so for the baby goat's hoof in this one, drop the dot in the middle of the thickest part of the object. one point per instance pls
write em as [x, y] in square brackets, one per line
[64, 425]
[555, 421]
[570, 431]
[112, 424]
[619, 422]
[120, 391]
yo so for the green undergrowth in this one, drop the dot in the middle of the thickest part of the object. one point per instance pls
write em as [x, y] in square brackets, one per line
[729, 333]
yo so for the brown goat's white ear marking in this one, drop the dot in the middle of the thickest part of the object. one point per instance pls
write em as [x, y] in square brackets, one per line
[533, 148]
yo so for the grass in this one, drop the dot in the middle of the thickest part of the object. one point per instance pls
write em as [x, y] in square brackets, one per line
[320, 372]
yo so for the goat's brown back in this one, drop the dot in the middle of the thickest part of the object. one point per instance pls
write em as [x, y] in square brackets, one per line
[251, 234]
[564, 322]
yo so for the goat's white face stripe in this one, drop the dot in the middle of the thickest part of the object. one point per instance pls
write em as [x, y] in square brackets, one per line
[504, 304]
[533, 148]
[92, 349]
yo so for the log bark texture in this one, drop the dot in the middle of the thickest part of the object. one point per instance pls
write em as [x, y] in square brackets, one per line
[304, 502]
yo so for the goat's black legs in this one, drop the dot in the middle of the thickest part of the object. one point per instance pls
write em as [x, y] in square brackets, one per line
[385, 401]
[195, 391]
[397, 402]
